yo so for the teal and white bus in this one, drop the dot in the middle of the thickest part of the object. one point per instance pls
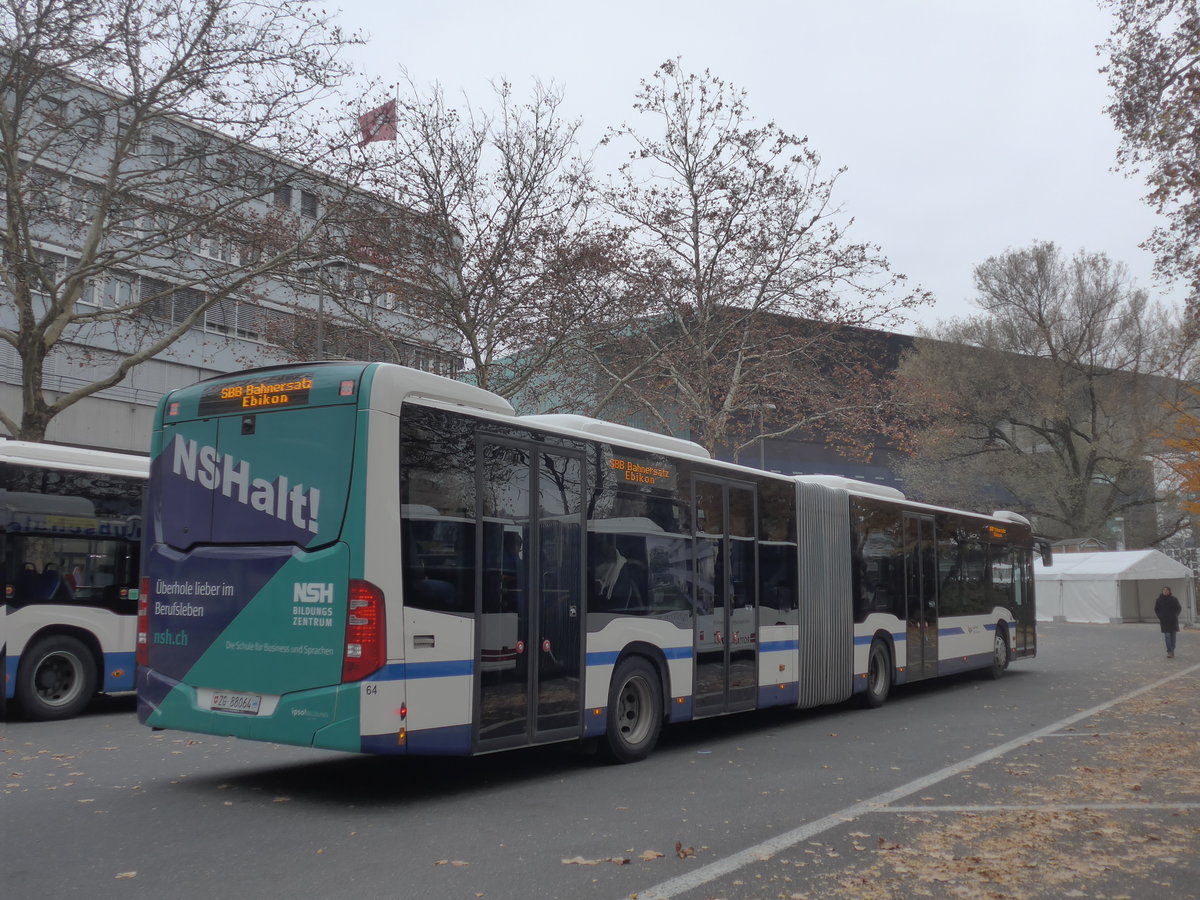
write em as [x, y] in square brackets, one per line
[365, 557]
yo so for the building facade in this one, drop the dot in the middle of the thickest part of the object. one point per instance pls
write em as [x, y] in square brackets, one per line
[126, 228]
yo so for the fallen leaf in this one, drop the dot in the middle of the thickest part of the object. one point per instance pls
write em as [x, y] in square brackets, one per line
[684, 852]
[580, 861]
[127, 875]
[650, 854]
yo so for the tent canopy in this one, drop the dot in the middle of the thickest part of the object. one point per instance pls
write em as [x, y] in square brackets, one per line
[1107, 587]
[1123, 564]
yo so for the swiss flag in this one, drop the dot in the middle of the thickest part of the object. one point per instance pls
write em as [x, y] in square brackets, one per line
[378, 124]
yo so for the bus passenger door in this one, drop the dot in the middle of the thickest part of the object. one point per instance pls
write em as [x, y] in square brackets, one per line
[920, 581]
[726, 598]
[1025, 640]
[529, 661]
[558, 567]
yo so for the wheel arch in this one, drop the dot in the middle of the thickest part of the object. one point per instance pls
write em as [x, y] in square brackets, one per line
[889, 643]
[1002, 628]
[87, 638]
[656, 658]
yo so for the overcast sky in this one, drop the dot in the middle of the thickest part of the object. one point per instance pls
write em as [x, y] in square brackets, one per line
[967, 126]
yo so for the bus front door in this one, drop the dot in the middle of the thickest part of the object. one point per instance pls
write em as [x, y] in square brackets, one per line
[920, 581]
[726, 593]
[529, 661]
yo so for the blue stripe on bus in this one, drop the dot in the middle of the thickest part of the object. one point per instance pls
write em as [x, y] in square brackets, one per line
[681, 711]
[863, 639]
[595, 724]
[948, 632]
[786, 694]
[609, 657]
[957, 664]
[126, 664]
[10, 675]
[451, 740]
[441, 669]
[772, 646]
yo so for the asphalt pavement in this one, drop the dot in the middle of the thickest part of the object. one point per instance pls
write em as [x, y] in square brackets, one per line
[1075, 775]
[1104, 803]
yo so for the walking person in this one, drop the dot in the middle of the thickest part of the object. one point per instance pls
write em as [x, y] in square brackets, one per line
[1168, 608]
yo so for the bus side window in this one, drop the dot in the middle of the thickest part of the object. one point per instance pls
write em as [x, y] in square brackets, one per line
[616, 576]
[28, 580]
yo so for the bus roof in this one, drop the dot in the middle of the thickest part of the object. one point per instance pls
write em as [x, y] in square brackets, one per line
[78, 459]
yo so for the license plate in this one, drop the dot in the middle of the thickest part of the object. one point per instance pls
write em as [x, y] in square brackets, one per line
[227, 701]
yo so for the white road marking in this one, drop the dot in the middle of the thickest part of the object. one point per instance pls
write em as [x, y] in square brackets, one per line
[681, 884]
[1040, 807]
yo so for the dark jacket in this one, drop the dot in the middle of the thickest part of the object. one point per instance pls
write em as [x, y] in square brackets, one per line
[1167, 608]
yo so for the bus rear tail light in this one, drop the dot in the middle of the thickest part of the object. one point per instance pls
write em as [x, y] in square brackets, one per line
[366, 632]
[143, 624]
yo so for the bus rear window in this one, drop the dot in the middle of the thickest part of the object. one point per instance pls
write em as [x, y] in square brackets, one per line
[279, 477]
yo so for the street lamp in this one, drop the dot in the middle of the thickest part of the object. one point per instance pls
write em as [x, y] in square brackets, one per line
[321, 284]
[762, 426]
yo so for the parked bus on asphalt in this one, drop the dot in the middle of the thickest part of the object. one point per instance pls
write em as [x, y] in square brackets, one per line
[365, 557]
[70, 543]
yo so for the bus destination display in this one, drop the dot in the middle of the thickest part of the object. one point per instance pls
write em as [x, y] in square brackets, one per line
[258, 394]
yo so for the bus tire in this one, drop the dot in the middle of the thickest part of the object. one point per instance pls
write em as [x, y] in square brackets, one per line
[635, 711]
[56, 678]
[879, 676]
[999, 653]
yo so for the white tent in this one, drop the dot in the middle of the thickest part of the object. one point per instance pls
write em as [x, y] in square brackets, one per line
[1109, 587]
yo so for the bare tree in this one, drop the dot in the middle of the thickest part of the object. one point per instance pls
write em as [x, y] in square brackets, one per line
[734, 238]
[159, 162]
[497, 248]
[1154, 72]
[1053, 400]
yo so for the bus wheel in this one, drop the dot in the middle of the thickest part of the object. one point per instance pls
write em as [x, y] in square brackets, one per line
[56, 678]
[999, 653]
[634, 711]
[879, 676]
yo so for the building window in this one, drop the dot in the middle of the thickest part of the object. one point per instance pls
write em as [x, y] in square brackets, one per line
[111, 291]
[93, 124]
[283, 196]
[76, 205]
[196, 158]
[162, 151]
[162, 301]
[215, 248]
[54, 109]
[120, 290]
[234, 318]
[308, 204]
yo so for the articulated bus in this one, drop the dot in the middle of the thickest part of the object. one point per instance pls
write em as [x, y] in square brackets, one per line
[70, 543]
[365, 557]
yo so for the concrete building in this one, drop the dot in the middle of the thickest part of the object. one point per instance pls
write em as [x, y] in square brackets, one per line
[166, 225]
